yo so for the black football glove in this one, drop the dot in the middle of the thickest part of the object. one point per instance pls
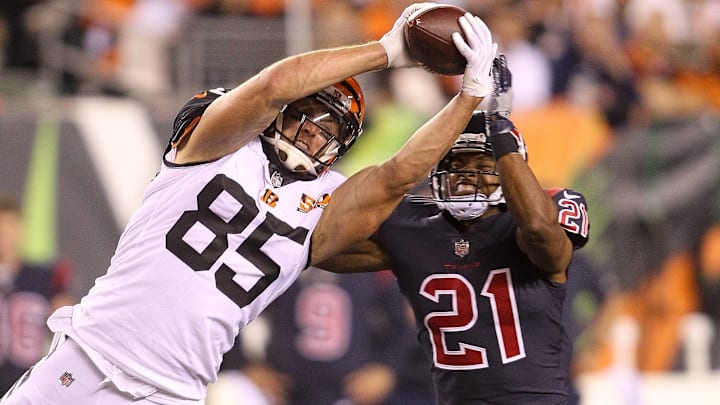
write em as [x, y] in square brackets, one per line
[502, 94]
[504, 137]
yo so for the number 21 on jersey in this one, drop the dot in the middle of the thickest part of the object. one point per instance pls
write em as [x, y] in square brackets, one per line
[498, 290]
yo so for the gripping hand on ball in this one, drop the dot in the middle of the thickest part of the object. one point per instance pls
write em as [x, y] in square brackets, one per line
[479, 51]
[394, 40]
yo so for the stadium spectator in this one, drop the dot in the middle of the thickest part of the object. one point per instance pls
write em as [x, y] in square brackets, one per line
[29, 292]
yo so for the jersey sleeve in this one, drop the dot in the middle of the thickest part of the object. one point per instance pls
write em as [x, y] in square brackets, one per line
[189, 115]
[572, 214]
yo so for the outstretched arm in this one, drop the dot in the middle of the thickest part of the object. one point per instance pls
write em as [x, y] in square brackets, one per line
[539, 234]
[362, 257]
[363, 202]
[241, 114]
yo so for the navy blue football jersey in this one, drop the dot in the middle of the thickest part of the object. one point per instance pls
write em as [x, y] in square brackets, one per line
[488, 319]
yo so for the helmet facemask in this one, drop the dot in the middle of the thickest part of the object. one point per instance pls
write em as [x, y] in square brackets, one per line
[458, 182]
[310, 134]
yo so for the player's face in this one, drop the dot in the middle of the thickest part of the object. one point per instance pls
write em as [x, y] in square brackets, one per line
[314, 131]
[474, 174]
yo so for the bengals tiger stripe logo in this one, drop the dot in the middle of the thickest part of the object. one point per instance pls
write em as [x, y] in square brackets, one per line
[308, 203]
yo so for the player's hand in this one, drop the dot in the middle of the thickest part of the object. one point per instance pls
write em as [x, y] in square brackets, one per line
[505, 138]
[394, 40]
[479, 51]
[502, 95]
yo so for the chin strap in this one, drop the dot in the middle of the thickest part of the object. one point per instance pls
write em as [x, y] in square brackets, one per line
[496, 197]
[465, 208]
[286, 176]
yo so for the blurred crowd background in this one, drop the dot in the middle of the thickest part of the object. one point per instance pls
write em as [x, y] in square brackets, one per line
[618, 99]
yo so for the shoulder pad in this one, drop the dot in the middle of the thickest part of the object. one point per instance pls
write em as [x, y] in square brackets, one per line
[190, 114]
[572, 214]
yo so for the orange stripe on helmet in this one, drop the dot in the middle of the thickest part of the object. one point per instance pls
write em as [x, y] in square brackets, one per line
[354, 91]
[186, 132]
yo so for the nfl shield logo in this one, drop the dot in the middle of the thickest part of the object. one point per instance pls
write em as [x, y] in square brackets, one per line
[66, 379]
[462, 248]
[276, 179]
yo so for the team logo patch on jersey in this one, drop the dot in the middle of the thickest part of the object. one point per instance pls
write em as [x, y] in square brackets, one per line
[66, 379]
[462, 248]
[308, 203]
[270, 198]
[322, 201]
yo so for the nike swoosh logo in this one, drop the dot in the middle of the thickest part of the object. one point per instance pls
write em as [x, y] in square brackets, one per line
[570, 196]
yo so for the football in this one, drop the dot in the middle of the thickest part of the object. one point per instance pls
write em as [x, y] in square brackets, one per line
[428, 34]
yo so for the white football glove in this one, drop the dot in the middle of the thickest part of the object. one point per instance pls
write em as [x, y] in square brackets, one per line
[394, 40]
[479, 51]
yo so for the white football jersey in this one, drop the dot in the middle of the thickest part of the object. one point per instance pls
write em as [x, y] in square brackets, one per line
[210, 247]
